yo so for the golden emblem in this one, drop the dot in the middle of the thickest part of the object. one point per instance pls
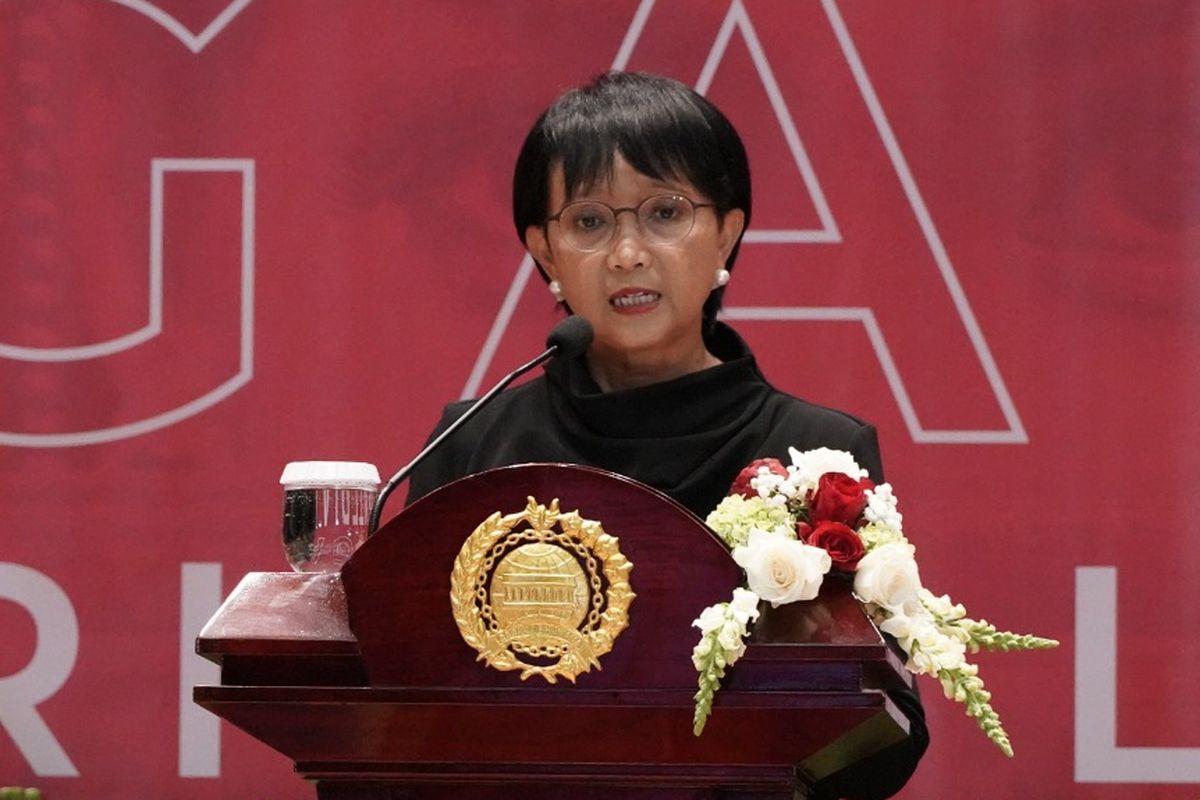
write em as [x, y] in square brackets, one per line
[541, 591]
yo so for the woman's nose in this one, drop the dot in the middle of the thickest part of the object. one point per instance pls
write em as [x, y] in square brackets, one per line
[627, 250]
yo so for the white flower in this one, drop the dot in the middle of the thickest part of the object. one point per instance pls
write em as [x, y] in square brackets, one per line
[710, 619]
[744, 606]
[888, 576]
[701, 650]
[733, 519]
[909, 628]
[808, 467]
[936, 654]
[782, 570]
[875, 534]
[933, 631]
[766, 482]
[941, 606]
[730, 639]
[882, 507]
[929, 650]
[775, 488]
[902, 627]
[787, 531]
[723, 629]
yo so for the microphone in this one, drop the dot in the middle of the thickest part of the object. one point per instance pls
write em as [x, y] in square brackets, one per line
[572, 336]
[568, 339]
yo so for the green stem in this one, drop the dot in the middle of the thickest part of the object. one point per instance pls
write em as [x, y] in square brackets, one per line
[985, 636]
[968, 689]
[710, 681]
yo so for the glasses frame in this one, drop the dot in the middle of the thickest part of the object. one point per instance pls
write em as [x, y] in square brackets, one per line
[635, 210]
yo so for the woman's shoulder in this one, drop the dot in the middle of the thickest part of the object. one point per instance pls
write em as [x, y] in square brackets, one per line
[519, 398]
[482, 441]
[795, 410]
[790, 421]
[779, 406]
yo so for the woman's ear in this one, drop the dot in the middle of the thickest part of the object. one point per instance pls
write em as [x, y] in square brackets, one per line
[539, 247]
[732, 225]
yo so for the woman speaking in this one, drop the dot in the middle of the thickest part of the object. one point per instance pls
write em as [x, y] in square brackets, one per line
[632, 194]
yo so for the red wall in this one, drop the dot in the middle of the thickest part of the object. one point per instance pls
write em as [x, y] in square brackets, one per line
[238, 234]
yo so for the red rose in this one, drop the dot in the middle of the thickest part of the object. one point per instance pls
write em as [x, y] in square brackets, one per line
[741, 484]
[843, 545]
[838, 498]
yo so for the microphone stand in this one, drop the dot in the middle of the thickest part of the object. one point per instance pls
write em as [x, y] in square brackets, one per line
[395, 480]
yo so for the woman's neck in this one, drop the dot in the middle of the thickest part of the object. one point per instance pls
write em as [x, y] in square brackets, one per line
[616, 371]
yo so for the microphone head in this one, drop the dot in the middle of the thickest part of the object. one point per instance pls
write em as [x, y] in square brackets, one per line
[572, 337]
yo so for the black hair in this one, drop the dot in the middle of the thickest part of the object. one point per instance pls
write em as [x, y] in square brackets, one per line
[661, 127]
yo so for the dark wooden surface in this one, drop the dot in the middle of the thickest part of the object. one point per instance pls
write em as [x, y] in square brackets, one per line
[363, 680]
[398, 583]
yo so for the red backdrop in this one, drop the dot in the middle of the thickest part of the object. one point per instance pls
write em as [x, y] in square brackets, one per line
[234, 234]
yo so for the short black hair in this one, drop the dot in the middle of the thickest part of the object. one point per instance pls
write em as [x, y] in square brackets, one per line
[664, 129]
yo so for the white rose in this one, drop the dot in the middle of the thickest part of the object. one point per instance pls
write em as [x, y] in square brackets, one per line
[888, 576]
[782, 570]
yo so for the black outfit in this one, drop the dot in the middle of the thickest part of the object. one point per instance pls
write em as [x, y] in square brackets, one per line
[687, 437]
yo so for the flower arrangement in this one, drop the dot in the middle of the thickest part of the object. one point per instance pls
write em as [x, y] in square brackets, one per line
[789, 526]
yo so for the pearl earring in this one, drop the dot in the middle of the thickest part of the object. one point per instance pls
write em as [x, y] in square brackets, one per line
[721, 278]
[556, 289]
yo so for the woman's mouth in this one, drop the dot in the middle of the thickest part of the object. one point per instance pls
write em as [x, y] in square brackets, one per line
[633, 299]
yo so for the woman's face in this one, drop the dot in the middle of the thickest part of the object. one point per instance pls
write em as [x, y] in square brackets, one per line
[644, 300]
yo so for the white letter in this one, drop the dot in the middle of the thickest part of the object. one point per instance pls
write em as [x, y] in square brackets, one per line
[52, 662]
[199, 730]
[1098, 759]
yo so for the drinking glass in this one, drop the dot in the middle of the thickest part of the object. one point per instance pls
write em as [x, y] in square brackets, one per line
[326, 508]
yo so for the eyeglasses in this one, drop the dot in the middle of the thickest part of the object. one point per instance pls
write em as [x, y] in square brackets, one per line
[589, 225]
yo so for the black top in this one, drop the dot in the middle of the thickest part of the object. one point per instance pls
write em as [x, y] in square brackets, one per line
[687, 437]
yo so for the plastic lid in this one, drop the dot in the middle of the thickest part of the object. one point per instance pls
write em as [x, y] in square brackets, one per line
[330, 473]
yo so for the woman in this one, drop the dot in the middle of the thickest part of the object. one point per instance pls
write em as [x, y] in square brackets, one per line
[632, 195]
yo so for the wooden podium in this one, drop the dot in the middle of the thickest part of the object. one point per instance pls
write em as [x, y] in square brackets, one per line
[363, 679]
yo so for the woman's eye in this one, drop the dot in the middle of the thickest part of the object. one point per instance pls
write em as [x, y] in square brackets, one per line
[589, 221]
[664, 211]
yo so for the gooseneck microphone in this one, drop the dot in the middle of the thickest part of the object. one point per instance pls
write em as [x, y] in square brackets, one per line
[567, 339]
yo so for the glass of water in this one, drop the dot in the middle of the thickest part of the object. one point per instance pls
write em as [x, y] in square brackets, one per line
[326, 508]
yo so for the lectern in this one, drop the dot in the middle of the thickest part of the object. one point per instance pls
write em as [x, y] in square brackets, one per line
[376, 682]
